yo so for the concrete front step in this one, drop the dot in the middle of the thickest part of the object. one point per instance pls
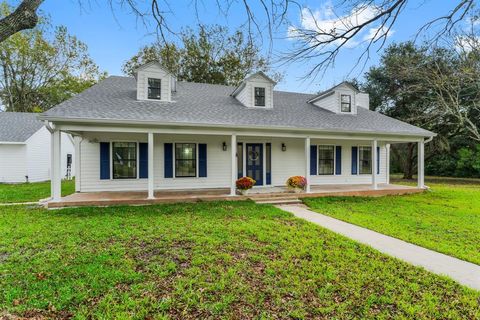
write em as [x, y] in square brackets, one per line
[278, 201]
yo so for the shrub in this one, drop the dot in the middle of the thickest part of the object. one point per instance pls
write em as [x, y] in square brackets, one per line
[297, 182]
[245, 183]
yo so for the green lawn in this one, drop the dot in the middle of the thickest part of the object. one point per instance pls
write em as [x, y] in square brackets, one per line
[445, 219]
[207, 260]
[27, 192]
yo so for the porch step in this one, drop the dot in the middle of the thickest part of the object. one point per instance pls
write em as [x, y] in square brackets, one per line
[278, 201]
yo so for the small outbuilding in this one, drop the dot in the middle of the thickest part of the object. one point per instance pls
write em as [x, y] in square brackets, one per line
[25, 149]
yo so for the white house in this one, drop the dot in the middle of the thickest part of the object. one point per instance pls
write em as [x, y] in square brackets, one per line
[25, 149]
[153, 133]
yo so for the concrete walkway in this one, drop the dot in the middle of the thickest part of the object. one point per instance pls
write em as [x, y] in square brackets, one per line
[465, 273]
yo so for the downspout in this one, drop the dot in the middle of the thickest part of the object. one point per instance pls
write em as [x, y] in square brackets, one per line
[48, 126]
[428, 140]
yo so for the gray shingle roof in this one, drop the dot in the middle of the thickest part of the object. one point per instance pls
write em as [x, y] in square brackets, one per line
[18, 126]
[204, 104]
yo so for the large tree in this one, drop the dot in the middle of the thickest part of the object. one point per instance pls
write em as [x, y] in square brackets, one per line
[42, 67]
[317, 42]
[211, 55]
[437, 88]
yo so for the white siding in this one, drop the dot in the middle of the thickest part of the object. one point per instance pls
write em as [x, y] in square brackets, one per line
[154, 71]
[284, 163]
[346, 177]
[38, 156]
[218, 164]
[332, 101]
[39, 152]
[247, 95]
[13, 166]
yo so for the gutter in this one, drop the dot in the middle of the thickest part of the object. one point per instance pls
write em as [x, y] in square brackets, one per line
[247, 127]
[47, 125]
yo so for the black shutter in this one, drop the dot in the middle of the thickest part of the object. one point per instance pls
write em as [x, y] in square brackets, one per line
[338, 160]
[202, 160]
[313, 160]
[143, 161]
[354, 160]
[168, 160]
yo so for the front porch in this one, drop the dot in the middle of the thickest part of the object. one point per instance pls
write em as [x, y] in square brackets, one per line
[108, 198]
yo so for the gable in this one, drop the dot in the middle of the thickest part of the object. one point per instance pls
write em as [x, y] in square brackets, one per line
[154, 70]
[245, 92]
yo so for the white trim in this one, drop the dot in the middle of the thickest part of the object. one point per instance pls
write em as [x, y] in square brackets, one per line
[233, 165]
[13, 142]
[374, 157]
[137, 165]
[387, 165]
[334, 160]
[213, 126]
[307, 163]
[264, 166]
[421, 164]
[151, 173]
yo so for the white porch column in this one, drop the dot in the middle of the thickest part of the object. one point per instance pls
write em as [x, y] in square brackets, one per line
[307, 163]
[233, 151]
[56, 164]
[151, 173]
[77, 140]
[388, 163]
[421, 164]
[374, 165]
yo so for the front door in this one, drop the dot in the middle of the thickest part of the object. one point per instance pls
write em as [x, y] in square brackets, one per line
[255, 162]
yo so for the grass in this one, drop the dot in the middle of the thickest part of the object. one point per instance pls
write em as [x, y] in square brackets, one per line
[445, 219]
[217, 260]
[29, 192]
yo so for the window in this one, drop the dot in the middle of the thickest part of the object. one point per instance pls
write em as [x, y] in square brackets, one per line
[346, 101]
[259, 97]
[185, 160]
[154, 88]
[124, 160]
[326, 159]
[365, 160]
[239, 160]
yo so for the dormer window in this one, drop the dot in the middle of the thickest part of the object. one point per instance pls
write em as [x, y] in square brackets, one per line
[259, 97]
[154, 88]
[346, 103]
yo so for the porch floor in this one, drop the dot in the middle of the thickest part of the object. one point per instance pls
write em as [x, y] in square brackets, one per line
[172, 196]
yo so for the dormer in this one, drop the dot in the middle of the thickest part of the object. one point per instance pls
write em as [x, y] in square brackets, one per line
[343, 98]
[256, 91]
[154, 83]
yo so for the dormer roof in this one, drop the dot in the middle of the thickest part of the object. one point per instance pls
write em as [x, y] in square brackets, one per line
[151, 64]
[250, 77]
[331, 91]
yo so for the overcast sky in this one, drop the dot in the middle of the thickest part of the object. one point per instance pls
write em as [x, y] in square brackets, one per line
[113, 37]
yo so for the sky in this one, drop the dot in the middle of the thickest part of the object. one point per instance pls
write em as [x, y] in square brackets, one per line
[114, 35]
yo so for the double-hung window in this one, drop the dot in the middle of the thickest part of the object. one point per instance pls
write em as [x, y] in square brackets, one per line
[259, 97]
[124, 160]
[346, 103]
[365, 160]
[326, 160]
[185, 160]
[154, 88]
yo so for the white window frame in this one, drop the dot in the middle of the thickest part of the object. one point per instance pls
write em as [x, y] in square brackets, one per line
[148, 86]
[358, 160]
[351, 102]
[253, 103]
[334, 160]
[137, 160]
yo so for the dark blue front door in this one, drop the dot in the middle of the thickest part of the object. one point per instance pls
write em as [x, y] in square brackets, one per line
[255, 162]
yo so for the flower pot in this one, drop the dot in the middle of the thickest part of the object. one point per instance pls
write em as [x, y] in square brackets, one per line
[298, 190]
[244, 192]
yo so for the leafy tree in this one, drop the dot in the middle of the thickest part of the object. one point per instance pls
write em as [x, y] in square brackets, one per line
[42, 67]
[212, 55]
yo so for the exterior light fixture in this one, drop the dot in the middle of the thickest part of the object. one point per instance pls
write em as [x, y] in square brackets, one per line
[224, 146]
[284, 147]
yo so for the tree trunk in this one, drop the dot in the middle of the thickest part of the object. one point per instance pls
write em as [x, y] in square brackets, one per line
[409, 162]
[24, 17]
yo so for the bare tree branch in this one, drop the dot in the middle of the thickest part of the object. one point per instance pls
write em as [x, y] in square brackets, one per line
[24, 17]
